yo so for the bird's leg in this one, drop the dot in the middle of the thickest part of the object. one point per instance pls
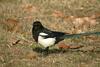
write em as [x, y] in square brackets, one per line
[46, 51]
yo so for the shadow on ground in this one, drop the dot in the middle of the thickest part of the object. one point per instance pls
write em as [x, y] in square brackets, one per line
[41, 50]
[57, 51]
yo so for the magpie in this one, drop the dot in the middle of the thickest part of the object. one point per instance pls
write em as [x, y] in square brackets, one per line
[48, 38]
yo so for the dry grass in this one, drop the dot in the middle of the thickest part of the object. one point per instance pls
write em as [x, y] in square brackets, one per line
[72, 16]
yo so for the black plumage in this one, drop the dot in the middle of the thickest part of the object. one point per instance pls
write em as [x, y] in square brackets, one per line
[54, 35]
[38, 28]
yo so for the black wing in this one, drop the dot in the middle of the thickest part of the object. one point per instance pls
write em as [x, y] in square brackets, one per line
[54, 34]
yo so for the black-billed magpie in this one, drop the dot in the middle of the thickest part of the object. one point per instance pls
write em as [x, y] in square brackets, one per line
[47, 38]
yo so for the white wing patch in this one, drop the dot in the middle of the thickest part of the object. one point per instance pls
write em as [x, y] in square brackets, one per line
[43, 34]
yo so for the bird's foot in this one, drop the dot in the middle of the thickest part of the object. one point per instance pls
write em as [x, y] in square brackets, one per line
[45, 51]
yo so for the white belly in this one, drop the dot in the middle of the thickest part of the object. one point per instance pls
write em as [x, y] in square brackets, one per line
[46, 42]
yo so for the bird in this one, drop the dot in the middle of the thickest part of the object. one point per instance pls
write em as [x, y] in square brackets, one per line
[47, 37]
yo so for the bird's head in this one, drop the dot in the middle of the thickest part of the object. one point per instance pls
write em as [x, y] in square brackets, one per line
[37, 25]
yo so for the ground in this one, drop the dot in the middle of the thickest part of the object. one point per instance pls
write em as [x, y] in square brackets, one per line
[18, 48]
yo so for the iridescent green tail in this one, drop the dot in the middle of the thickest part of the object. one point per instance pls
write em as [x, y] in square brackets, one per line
[80, 34]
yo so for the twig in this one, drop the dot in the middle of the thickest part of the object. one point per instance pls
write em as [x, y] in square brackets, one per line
[16, 42]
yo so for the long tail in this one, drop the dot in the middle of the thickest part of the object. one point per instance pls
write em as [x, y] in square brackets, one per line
[80, 34]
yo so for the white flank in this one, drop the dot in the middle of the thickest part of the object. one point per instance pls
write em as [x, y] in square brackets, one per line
[46, 42]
